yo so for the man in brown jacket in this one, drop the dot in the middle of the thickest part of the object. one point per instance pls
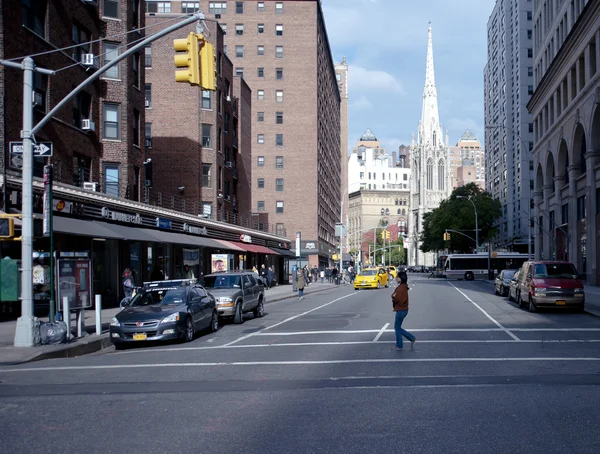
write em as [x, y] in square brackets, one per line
[400, 304]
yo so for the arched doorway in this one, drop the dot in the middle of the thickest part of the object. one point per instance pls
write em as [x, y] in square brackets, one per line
[579, 149]
[563, 161]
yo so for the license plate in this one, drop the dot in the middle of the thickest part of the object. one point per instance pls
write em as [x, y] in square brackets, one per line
[139, 337]
[561, 303]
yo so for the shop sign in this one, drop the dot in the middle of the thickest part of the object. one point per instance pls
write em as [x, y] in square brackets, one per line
[193, 229]
[163, 223]
[121, 217]
[63, 206]
[310, 246]
[245, 238]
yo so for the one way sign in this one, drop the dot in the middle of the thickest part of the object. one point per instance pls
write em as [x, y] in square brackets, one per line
[40, 150]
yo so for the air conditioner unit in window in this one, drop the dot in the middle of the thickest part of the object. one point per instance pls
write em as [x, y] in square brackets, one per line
[228, 164]
[148, 143]
[89, 60]
[88, 186]
[88, 125]
[228, 98]
[147, 103]
[37, 99]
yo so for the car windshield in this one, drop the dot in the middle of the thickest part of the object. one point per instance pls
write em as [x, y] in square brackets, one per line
[368, 273]
[164, 296]
[225, 281]
[508, 274]
[555, 271]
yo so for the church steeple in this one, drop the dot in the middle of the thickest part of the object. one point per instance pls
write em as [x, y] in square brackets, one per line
[430, 131]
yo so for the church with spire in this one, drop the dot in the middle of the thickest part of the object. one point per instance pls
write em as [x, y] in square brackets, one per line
[431, 181]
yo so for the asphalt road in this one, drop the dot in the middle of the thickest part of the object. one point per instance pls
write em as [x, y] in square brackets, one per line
[319, 376]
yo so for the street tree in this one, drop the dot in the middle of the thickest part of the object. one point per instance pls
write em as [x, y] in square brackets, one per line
[458, 214]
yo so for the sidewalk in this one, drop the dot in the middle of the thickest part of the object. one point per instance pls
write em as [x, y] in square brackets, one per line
[10, 355]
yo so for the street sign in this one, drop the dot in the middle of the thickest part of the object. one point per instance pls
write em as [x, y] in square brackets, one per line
[40, 150]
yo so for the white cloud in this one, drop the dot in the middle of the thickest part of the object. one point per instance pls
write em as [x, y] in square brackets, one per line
[362, 79]
[361, 103]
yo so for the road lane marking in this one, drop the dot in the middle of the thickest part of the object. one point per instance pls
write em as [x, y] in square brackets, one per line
[303, 363]
[426, 330]
[289, 319]
[496, 322]
[380, 333]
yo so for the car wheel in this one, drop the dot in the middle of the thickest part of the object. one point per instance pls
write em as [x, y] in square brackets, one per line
[469, 276]
[190, 331]
[214, 322]
[259, 310]
[531, 307]
[239, 315]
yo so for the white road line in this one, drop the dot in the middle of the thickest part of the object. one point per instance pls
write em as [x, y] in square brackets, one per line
[305, 363]
[428, 330]
[380, 333]
[289, 319]
[485, 313]
[302, 333]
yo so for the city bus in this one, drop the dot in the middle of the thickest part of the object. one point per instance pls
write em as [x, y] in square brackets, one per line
[475, 266]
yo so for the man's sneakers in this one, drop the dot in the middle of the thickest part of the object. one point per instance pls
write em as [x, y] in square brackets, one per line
[412, 342]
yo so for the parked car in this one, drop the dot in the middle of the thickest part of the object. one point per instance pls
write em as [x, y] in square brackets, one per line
[237, 293]
[371, 278]
[550, 284]
[164, 310]
[502, 282]
[512, 288]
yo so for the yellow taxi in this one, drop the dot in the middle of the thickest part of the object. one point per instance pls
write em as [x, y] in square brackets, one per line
[371, 278]
[393, 271]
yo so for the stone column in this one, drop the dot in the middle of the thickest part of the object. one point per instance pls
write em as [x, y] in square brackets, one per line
[538, 240]
[548, 192]
[572, 239]
[559, 182]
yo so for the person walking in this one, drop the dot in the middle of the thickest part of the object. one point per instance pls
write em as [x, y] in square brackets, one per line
[300, 281]
[400, 305]
[270, 277]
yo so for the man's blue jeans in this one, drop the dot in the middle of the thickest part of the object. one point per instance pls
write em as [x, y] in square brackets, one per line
[400, 315]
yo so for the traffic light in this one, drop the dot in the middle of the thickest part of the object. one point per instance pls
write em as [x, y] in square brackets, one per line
[385, 235]
[189, 60]
[7, 228]
[208, 75]
[446, 236]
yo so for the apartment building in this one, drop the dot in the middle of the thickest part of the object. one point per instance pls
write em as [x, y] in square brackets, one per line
[566, 133]
[341, 74]
[467, 161]
[282, 50]
[508, 85]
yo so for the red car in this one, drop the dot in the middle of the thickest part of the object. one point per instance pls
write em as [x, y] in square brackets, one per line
[550, 284]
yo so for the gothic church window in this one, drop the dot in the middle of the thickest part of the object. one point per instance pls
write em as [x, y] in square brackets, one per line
[441, 175]
[429, 174]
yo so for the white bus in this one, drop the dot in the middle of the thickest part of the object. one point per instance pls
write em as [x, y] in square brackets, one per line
[475, 266]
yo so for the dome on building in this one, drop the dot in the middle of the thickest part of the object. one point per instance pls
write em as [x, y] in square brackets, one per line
[368, 136]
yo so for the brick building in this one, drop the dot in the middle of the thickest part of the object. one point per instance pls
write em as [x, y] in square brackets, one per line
[282, 51]
[205, 163]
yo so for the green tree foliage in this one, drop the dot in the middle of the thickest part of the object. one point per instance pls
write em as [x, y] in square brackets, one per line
[458, 214]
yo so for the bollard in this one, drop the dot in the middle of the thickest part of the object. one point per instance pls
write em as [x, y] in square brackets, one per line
[98, 314]
[80, 322]
[67, 316]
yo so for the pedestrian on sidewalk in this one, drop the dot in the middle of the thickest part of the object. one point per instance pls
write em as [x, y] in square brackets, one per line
[400, 304]
[300, 281]
[322, 276]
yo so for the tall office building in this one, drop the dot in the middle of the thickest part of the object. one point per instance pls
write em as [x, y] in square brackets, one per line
[341, 74]
[567, 133]
[282, 50]
[467, 161]
[508, 85]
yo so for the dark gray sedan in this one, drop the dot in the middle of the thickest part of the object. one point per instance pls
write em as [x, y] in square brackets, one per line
[165, 310]
[502, 282]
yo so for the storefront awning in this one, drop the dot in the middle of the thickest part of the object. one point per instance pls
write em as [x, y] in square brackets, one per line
[248, 247]
[180, 238]
[231, 246]
[84, 228]
[284, 252]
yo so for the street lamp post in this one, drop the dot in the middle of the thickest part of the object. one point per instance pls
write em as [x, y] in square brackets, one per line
[476, 224]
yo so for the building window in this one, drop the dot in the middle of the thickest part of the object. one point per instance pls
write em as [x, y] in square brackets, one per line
[206, 135]
[111, 180]
[405, 177]
[239, 51]
[148, 135]
[239, 29]
[260, 95]
[279, 8]
[261, 72]
[279, 184]
[529, 52]
[239, 72]
[279, 206]
[189, 7]
[239, 7]
[40, 86]
[279, 162]
[260, 205]
[206, 175]
[111, 120]
[278, 51]
[148, 93]
[529, 34]
[279, 118]
[260, 7]
[219, 178]
[529, 15]
[207, 209]
[111, 8]
[260, 161]
[135, 68]
[260, 138]
[279, 95]
[279, 30]
[279, 73]
[279, 140]
[260, 116]
[81, 106]
[530, 89]
[530, 71]
[206, 99]
[441, 175]
[148, 57]
[136, 127]
[81, 39]
[260, 50]
[581, 208]
[260, 28]
[111, 51]
[260, 183]
[224, 28]
[429, 174]
[163, 7]
[279, 229]
[217, 7]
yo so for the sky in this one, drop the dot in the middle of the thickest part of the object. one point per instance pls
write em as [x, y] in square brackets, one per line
[385, 45]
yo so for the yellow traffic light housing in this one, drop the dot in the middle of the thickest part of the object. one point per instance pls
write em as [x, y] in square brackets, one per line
[446, 236]
[208, 74]
[189, 60]
[7, 228]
